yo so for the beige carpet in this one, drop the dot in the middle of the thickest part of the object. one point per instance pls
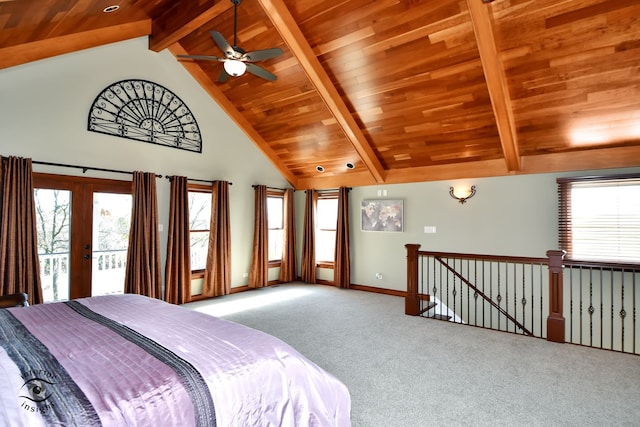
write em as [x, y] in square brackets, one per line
[411, 371]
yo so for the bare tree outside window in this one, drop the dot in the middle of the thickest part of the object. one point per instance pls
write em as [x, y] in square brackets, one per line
[53, 212]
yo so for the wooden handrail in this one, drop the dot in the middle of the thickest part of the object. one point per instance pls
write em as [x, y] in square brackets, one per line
[615, 266]
[554, 262]
[457, 255]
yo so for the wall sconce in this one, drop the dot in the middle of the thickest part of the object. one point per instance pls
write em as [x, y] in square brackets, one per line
[472, 193]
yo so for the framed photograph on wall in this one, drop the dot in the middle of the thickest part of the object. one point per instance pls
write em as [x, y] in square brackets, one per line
[382, 215]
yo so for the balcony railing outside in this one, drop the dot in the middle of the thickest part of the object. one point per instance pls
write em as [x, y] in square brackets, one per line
[529, 296]
[108, 271]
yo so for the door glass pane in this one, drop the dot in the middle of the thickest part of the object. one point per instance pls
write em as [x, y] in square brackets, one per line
[53, 216]
[111, 223]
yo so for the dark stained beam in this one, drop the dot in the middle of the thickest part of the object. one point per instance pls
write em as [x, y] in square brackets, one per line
[170, 27]
[496, 82]
[48, 48]
[281, 18]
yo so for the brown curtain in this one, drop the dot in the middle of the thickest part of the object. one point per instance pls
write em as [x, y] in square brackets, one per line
[217, 274]
[308, 238]
[177, 272]
[342, 261]
[288, 261]
[19, 265]
[259, 272]
[143, 257]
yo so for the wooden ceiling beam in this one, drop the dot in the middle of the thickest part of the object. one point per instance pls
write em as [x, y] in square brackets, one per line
[496, 81]
[169, 28]
[281, 18]
[54, 46]
[214, 91]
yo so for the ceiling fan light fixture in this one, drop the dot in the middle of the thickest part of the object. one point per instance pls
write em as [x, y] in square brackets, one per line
[235, 68]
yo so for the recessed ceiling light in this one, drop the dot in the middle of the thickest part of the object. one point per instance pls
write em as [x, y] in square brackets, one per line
[350, 165]
[111, 8]
[320, 168]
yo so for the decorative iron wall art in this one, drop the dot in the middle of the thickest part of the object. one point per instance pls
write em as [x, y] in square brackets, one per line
[145, 111]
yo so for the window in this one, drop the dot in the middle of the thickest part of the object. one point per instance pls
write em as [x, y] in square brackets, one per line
[600, 218]
[326, 223]
[275, 211]
[199, 223]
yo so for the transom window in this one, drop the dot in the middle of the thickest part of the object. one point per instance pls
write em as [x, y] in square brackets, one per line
[600, 218]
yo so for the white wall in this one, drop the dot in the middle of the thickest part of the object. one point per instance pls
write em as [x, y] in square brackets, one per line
[44, 108]
[514, 216]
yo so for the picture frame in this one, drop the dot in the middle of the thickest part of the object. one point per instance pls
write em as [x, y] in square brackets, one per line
[382, 215]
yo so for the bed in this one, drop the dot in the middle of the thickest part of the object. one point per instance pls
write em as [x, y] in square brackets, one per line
[125, 360]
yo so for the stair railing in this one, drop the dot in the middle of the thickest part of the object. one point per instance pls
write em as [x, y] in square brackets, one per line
[540, 294]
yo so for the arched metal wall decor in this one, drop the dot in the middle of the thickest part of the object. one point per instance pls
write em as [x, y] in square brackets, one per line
[145, 111]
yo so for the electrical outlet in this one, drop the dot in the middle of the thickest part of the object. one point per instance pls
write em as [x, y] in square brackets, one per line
[379, 276]
[430, 229]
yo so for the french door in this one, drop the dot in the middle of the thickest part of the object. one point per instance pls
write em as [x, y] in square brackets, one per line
[83, 234]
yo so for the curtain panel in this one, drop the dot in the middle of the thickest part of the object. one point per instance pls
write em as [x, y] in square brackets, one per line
[308, 273]
[177, 288]
[342, 261]
[288, 262]
[217, 274]
[19, 265]
[142, 274]
[259, 272]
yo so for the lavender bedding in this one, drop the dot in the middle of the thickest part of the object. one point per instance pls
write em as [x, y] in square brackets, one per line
[125, 360]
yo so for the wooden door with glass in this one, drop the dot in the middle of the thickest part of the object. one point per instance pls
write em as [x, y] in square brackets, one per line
[83, 234]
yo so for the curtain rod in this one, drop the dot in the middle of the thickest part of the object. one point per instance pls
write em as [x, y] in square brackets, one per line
[329, 190]
[85, 168]
[272, 188]
[196, 180]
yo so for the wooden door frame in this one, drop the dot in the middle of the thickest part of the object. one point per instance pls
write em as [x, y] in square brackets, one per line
[81, 224]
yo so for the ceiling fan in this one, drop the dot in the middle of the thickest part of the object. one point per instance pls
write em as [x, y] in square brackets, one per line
[236, 60]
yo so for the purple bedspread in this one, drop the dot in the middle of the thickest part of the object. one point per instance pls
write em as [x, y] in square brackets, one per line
[129, 360]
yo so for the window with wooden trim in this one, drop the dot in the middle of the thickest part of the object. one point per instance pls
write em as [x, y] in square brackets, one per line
[599, 218]
[326, 224]
[275, 220]
[199, 223]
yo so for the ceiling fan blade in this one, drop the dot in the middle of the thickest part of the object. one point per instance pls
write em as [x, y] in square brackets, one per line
[203, 57]
[223, 77]
[261, 55]
[261, 72]
[222, 44]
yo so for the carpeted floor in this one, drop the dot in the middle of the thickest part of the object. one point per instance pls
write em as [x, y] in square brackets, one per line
[411, 371]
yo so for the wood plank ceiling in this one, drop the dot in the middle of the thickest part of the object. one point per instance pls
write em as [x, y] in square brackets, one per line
[405, 90]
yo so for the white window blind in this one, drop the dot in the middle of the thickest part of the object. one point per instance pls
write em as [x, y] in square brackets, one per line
[600, 219]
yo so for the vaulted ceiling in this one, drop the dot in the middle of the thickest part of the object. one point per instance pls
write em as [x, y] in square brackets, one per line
[403, 90]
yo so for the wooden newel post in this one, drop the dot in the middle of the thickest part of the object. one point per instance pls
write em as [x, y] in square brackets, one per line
[555, 321]
[411, 301]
